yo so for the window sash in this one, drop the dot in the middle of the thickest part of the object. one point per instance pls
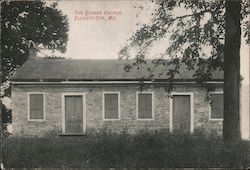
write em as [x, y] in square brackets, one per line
[217, 105]
[111, 106]
[145, 106]
[36, 106]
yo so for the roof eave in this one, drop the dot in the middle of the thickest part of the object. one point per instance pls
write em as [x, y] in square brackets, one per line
[88, 82]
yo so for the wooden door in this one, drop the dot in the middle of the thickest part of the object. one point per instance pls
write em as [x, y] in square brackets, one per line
[181, 113]
[73, 114]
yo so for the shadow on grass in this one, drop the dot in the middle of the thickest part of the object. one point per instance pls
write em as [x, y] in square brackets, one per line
[146, 149]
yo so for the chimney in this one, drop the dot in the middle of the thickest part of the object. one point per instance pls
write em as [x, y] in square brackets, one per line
[32, 50]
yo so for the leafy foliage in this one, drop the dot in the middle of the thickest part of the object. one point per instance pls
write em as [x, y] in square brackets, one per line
[205, 36]
[23, 21]
[196, 36]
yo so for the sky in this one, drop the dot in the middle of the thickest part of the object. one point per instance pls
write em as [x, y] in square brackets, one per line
[91, 37]
[99, 29]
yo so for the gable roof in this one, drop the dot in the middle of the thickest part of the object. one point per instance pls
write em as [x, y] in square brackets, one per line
[88, 70]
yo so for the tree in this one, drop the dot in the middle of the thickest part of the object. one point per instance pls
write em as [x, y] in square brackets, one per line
[232, 71]
[206, 24]
[23, 21]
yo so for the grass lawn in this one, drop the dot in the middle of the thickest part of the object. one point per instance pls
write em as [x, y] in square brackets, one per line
[158, 149]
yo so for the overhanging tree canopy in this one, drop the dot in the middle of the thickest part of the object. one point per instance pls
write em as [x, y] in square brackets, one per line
[203, 24]
[22, 21]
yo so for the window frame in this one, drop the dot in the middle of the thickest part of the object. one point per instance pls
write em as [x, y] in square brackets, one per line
[210, 108]
[137, 104]
[44, 112]
[103, 106]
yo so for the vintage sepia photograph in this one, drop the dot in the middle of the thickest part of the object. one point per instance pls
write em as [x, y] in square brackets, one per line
[149, 84]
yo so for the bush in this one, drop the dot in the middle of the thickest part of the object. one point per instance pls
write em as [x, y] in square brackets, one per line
[146, 149]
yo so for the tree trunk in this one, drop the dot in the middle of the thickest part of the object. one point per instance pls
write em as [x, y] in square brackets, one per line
[231, 124]
[0, 76]
[1, 116]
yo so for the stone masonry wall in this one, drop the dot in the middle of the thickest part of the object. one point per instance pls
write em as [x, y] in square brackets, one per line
[94, 121]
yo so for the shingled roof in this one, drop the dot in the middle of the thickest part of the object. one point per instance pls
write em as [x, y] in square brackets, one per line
[88, 70]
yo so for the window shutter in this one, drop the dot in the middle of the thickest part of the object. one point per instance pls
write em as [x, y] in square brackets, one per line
[36, 106]
[217, 106]
[111, 106]
[145, 106]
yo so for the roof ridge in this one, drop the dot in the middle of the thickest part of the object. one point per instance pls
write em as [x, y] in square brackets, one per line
[58, 69]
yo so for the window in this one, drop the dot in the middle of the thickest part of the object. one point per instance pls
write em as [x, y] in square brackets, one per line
[145, 105]
[111, 106]
[216, 106]
[36, 106]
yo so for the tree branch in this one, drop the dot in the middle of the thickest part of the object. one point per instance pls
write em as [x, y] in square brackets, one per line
[190, 15]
